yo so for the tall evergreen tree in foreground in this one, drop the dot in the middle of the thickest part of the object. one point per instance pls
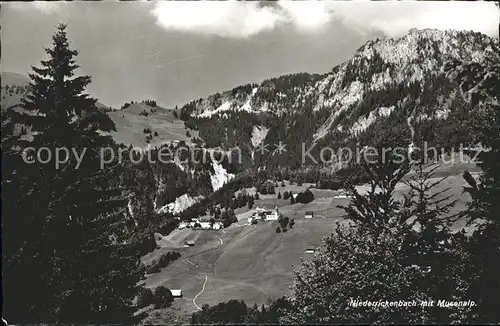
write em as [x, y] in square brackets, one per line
[480, 83]
[60, 263]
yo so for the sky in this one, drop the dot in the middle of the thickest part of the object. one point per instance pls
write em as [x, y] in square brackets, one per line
[176, 51]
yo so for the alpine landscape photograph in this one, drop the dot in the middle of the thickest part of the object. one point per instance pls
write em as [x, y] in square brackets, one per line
[250, 162]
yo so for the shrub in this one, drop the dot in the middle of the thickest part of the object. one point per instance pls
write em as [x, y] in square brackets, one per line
[278, 230]
[283, 222]
[266, 188]
[224, 313]
[163, 262]
[150, 103]
[162, 297]
[145, 297]
[356, 246]
[305, 197]
[250, 202]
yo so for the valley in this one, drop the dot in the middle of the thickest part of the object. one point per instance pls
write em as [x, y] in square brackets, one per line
[269, 207]
[254, 263]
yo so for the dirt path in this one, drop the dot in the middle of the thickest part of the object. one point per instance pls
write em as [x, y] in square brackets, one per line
[187, 259]
[202, 289]
[206, 278]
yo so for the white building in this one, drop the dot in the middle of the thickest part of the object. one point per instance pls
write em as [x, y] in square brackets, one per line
[205, 225]
[309, 215]
[176, 293]
[193, 222]
[274, 215]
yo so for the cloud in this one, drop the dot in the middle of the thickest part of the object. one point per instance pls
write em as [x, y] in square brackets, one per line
[223, 18]
[395, 18]
[306, 15]
[241, 19]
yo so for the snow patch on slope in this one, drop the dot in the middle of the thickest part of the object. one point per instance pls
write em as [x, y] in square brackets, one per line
[130, 208]
[364, 122]
[226, 106]
[411, 147]
[178, 162]
[247, 107]
[231, 104]
[259, 133]
[220, 176]
[181, 203]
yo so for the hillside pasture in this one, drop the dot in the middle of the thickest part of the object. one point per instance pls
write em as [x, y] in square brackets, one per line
[130, 125]
[254, 263]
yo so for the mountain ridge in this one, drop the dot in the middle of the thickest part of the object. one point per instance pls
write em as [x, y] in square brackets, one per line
[392, 91]
[384, 78]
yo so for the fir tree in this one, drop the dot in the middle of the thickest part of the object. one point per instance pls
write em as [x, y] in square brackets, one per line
[377, 208]
[59, 221]
[427, 208]
[481, 85]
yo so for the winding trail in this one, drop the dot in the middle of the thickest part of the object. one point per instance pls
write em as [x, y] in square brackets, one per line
[187, 259]
[202, 289]
[206, 277]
